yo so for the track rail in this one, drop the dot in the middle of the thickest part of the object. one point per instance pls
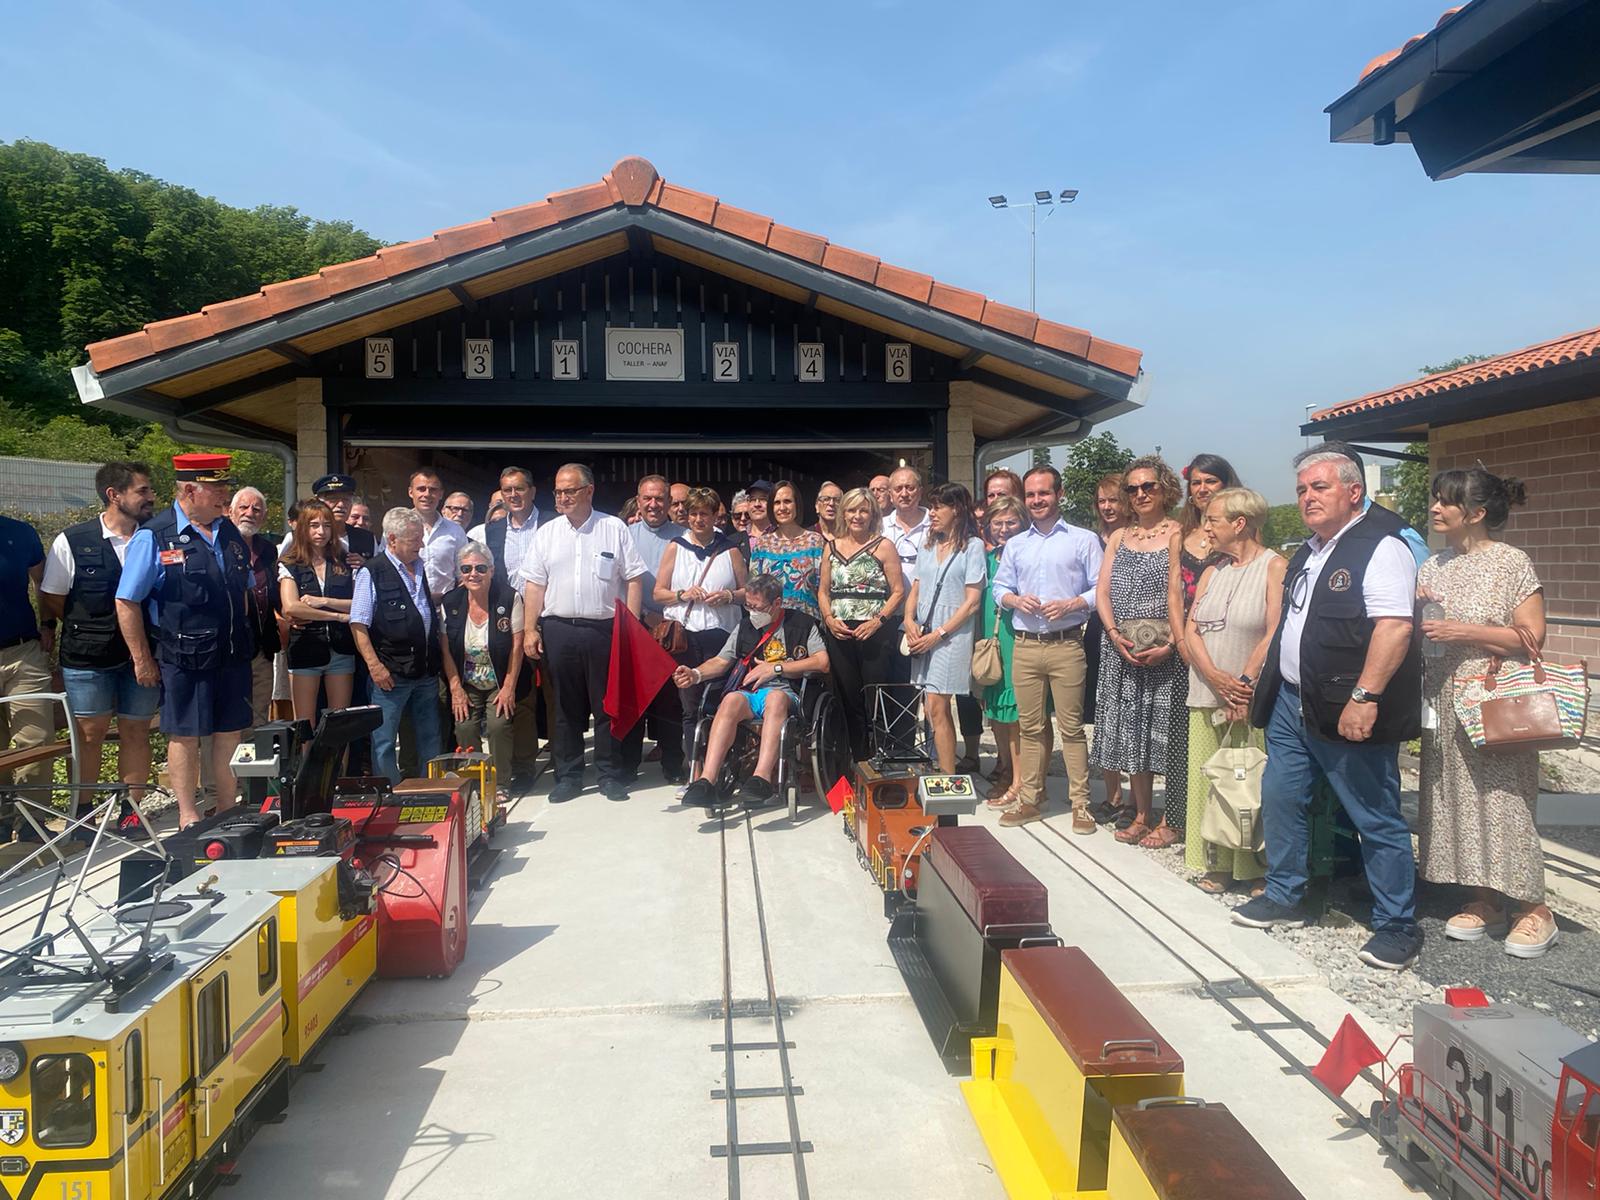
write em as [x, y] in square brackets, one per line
[769, 1011]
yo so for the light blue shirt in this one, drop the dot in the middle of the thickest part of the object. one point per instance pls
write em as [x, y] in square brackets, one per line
[1413, 539]
[416, 585]
[1056, 565]
[651, 545]
[142, 572]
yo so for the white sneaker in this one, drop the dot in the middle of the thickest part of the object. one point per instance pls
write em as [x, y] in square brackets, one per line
[1478, 920]
[1531, 936]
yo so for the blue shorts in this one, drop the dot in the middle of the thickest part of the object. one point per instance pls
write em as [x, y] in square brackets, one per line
[100, 693]
[758, 700]
[337, 664]
[200, 703]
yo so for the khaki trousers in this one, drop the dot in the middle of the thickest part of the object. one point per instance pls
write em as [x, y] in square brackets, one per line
[1042, 672]
[25, 669]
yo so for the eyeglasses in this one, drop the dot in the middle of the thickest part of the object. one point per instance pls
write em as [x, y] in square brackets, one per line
[741, 518]
[1140, 489]
[1298, 587]
[474, 569]
[569, 493]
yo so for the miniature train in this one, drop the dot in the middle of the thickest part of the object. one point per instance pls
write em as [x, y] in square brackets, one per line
[139, 1049]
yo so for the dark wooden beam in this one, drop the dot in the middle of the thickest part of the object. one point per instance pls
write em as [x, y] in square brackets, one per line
[466, 297]
[348, 392]
[297, 357]
[206, 401]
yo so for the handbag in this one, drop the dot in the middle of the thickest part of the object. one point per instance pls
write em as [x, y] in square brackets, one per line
[988, 667]
[1146, 633]
[671, 636]
[1514, 707]
[1232, 816]
[905, 642]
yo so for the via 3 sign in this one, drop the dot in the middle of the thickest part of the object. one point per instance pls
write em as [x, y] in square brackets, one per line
[653, 354]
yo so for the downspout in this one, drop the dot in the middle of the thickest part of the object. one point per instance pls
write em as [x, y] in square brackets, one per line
[1071, 429]
[282, 451]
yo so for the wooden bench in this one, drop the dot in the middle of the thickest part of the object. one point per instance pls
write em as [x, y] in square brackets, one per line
[974, 900]
[1186, 1149]
[1068, 1049]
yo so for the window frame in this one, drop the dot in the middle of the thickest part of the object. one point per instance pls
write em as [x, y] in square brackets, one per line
[222, 1034]
[35, 1069]
[133, 1075]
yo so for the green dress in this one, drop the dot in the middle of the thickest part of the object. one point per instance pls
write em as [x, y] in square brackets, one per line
[999, 701]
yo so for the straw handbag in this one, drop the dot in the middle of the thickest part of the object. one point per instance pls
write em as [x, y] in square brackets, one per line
[1536, 705]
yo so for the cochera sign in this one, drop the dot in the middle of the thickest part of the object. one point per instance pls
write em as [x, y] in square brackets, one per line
[653, 354]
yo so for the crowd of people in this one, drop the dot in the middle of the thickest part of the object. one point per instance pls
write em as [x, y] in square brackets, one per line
[1169, 630]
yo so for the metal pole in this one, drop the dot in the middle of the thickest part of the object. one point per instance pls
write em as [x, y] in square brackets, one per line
[1033, 255]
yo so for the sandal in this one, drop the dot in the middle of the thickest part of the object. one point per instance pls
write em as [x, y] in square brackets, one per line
[1133, 832]
[1160, 838]
[1003, 799]
[1212, 884]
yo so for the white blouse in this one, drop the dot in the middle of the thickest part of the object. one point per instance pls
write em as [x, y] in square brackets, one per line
[686, 570]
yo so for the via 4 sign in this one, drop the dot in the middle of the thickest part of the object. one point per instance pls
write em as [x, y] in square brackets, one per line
[808, 362]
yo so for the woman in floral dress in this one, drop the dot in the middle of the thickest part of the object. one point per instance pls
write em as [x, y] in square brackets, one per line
[790, 552]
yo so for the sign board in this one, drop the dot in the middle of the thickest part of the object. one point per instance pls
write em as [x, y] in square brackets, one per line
[808, 362]
[564, 358]
[724, 362]
[653, 354]
[897, 362]
[477, 358]
[380, 358]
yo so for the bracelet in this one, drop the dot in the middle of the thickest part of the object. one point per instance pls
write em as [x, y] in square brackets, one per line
[695, 671]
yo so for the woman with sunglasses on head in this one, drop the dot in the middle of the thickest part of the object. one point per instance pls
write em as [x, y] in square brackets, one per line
[1143, 682]
[481, 632]
[317, 585]
[1228, 634]
[1476, 814]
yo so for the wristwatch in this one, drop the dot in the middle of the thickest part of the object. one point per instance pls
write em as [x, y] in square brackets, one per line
[1360, 695]
[777, 668]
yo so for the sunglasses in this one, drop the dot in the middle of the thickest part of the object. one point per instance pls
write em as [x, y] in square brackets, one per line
[740, 518]
[474, 569]
[1140, 489]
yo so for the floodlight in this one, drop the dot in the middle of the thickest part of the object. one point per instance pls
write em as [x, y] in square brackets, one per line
[1042, 197]
[998, 201]
[1069, 195]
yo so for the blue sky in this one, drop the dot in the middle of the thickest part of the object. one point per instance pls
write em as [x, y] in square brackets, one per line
[1259, 267]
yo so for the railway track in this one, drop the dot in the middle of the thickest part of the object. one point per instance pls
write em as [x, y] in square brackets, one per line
[767, 1016]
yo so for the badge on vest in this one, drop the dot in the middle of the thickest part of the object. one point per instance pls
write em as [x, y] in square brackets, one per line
[1339, 581]
[503, 624]
[183, 537]
[171, 558]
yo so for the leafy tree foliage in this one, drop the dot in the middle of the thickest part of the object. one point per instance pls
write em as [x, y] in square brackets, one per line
[1283, 526]
[1088, 461]
[88, 253]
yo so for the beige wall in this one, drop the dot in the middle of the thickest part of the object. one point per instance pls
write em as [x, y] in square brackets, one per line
[311, 433]
[958, 435]
[1556, 453]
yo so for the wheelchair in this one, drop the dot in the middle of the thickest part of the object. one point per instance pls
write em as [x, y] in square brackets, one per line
[813, 736]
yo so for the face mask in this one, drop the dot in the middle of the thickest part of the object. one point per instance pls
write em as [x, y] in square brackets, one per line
[759, 619]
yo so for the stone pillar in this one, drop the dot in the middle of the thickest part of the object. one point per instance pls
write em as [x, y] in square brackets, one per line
[959, 438]
[311, 433]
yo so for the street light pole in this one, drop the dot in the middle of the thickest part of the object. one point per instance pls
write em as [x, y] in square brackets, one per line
[1041, 199]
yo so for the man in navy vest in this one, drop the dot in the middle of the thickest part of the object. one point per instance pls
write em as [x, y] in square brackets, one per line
[396, 632]
[187, 573]
[81, 574]
[1341, 688]
[509, 539]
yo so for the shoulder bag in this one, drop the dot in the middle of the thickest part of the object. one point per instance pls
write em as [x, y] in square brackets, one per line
[1514, 707]
[671, 635]
[905, 642]
[1232, 816]
[988, 668]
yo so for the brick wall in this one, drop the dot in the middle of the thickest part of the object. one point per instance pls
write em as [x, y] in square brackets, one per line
[1556, 453]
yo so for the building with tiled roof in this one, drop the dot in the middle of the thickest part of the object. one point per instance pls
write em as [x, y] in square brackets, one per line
[631, 322]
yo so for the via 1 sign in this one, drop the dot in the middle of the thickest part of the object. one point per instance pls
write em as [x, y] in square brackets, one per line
[897, 362]
[652, 354]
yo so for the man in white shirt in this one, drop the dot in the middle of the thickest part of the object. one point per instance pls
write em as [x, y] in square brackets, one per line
[907, 522]
[96, 668]
[1047, 578]
[651, 534]
[442, 538]
[1339, 691]
[509, 538]
[581, 563]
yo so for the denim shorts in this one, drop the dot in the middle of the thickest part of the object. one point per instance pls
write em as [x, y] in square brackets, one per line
[337, 664]
[100, 693]
[201, 703]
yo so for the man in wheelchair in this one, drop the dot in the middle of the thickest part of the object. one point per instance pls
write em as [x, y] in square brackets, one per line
[763, 658]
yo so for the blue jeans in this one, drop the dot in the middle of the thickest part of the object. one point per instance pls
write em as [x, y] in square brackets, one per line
[421, 698]
[1366, 778]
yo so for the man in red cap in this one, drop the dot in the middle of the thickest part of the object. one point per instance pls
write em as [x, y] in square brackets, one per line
[188, 570]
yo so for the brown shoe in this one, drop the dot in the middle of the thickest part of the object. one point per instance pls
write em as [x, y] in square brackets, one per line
[1022, 814]
[1082, 822]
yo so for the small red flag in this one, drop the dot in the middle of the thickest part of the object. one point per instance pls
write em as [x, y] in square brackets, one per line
[1346, 1056]
[840, 793]
[640, 668]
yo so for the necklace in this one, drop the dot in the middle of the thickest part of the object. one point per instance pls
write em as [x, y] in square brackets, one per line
[1142, 536]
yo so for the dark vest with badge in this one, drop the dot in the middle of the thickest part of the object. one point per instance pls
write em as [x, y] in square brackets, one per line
[1334, 643]
[500, 633]
[203, 621]
[90, 637]
[797, 627]
[314, 643]
[399, 638]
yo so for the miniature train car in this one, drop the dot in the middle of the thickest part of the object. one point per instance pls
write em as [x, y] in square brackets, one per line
[1498, 1101]
[891, 816]
[1182, 1148]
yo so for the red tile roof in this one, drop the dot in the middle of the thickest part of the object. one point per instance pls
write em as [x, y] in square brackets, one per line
[1388, 56]
[635, 183]
[1571, 348]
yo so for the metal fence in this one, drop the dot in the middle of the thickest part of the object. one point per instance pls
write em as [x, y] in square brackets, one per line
[39, 487]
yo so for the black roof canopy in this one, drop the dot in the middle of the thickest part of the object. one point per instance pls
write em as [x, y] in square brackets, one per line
[1507, 86]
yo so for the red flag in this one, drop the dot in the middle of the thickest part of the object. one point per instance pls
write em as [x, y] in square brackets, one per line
[1350, 1051]
[1465, 997]
[840, 793]
[640, 668]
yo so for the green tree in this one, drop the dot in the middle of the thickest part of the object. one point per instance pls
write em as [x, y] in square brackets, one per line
[1088, 461]
[1413, 480]
[1283, 526]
